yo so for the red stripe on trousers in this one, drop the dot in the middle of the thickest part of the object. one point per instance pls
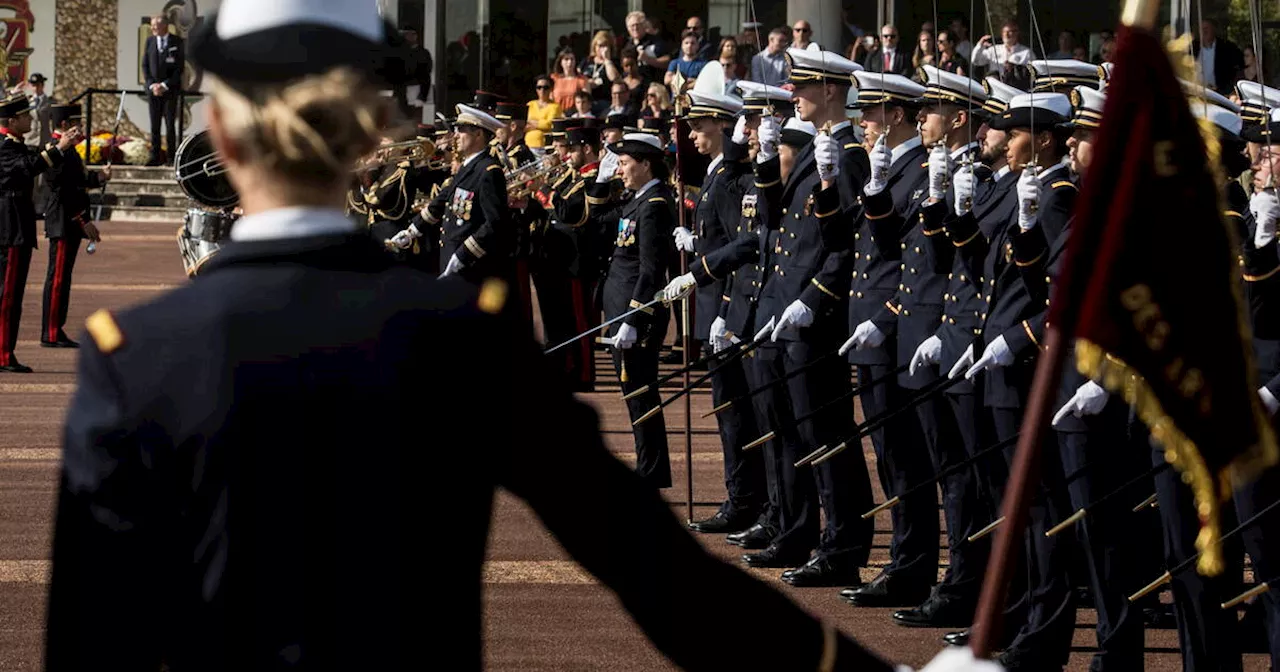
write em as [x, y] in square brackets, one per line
[6, 304]
[59, 279]
[587, 370]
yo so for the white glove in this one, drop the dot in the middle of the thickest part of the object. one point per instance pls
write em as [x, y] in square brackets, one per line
[1265, 206]
[1269, 401]
[996, 355]
[865, 336]
[719, 335]
[740, 131]
[881, 159]
[454, 265]
[826, 153]
[962, 364]
[403, 239]
[1090, 399]
[764, 333]
[679, 288]
[684, 239]
[939, 172]
[927, 354]
[770, 134]
[796, 316]
[963, 183]
[1028, 199]
[625, 338]
[958, 659]
[608, 167]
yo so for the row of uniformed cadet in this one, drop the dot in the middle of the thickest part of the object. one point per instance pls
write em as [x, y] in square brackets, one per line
[959, 215]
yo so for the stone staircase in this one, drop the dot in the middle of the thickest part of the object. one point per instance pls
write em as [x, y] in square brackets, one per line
[142, 194]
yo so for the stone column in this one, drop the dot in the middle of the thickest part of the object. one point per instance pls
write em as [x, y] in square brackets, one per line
[824, 16]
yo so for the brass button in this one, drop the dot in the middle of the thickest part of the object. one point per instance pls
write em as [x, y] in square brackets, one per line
[913, 271]
[851, 292]
[776, 267]
[796, 215]
[782, 229]
[908, 290]
[864, 276]
[859, 295]
[792, 235]
[857, 255]
[917, 250]
[952, 320]
[782, 273]
[901, 286]
[949, 276]
[905, 311]
[946, 297]
[902, 267]
[984, 316]
[784, 211]
[857, 236]
[904, 246]
[786, 253]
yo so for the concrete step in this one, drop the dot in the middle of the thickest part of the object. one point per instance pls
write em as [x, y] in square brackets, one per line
[124, 213]
[135, 199]
[127, 172]
[155, 187]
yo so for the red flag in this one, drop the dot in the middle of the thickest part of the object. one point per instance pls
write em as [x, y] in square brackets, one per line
[1151, 286]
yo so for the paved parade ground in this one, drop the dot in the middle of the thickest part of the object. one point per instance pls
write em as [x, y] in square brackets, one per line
[543, 611]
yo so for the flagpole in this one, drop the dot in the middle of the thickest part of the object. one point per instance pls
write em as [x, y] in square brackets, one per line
[1025, 471]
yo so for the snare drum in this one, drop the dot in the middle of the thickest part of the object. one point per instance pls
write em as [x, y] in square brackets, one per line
[202, 233]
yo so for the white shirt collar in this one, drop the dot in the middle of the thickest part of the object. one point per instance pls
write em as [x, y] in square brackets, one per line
[471, 158]
[646, 186]
[711, 169]
[836, 129]
[1004, 170]
[964, 150]
[291, 222]
[903, 148]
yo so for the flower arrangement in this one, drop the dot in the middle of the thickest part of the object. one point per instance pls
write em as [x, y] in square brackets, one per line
[103, 145]
[136, 152]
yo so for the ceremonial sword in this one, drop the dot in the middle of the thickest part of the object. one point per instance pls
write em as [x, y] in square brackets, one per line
[593, 330]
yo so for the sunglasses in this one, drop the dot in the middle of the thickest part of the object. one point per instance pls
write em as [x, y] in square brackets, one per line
[542, 87]
[801, 30]
[890, 36]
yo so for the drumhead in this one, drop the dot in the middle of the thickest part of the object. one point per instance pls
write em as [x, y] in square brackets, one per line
[193, 164]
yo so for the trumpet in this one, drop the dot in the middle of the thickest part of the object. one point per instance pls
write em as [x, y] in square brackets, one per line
[416, 151]
[525, 179]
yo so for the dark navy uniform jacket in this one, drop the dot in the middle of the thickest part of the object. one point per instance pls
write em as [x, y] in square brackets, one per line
[994, 202]
[924, 270]
[642, 244]
[69, 184]
[715, 222]
[19, 166]
[1261, 275]
[808, 227]
[827, 292]
[234, 495]
[570, 244]
[475, 222]
[877, 257]
[1009, 303]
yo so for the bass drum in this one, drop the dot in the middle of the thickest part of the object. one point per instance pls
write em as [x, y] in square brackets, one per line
[201, 175]
[202, 234]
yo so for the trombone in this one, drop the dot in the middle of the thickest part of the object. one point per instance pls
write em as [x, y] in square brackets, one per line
[418, 150]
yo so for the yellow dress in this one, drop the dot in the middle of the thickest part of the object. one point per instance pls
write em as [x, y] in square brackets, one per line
[540, 116]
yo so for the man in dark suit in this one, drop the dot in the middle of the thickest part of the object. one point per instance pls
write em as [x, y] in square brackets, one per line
[1219, 62]
[889, 58]
[162, 65]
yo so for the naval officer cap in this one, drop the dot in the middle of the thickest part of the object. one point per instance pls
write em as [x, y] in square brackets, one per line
[1195, 90]
[250, 42]
[941, 86]
[1040, 110]
[998, 95]
[707, 99]
[757, 98]
[1228, 123]
[1267, 132]
[1064, 74]
[815, 65]
[1086, 107]
[470, 116]
[639, 145]
[1256, 101]
[875, 88]
[797, 133]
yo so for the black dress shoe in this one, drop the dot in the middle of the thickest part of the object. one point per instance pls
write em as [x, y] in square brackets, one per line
[60, 343]
[753, 538]
[775, 557]
[15, 367]
[960, 638]
[724, 522]
[937, 612]
[1015, 660]
[821, 571]
[887, 591]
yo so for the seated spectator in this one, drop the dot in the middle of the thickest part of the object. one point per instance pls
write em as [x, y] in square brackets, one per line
[541, 112]
[567, 80]
[581, 106]
[657, 108]
[688, 65]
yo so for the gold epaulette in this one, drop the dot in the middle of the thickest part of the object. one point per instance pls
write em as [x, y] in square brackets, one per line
[105, 332]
